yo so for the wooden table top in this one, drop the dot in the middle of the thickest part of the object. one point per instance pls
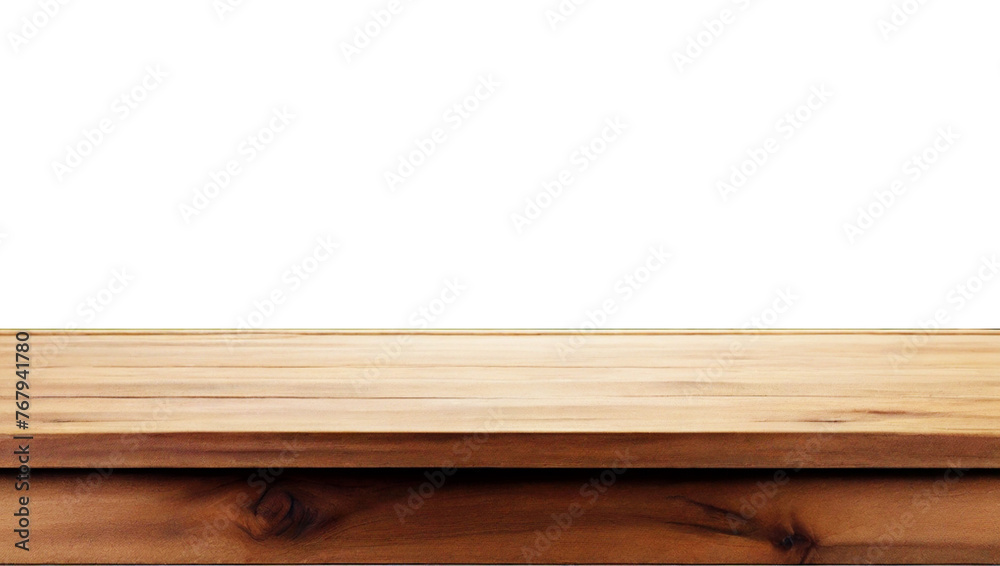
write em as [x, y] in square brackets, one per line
[181, 398]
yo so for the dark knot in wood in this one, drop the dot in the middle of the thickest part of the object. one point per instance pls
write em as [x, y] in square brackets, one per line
[794, 540]
[277, 513]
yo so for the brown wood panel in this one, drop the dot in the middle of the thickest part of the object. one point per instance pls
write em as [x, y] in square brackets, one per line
[615, 515]
[507, 450]
[207, 398]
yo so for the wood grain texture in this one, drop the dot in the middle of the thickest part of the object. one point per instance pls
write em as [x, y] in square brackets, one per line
[526, 398]
[511, 516]
[510, 450]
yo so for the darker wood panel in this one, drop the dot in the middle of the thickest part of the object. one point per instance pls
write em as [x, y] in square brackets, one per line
[615, 515]
[508, 450]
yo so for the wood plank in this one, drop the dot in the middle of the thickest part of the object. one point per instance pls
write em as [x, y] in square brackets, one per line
[509, 450]
[542, 398]
[619, 515]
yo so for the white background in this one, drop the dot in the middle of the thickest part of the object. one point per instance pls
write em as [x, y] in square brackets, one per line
[778, 242]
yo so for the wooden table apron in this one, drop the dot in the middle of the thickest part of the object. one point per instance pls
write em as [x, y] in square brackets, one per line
[301, 446]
